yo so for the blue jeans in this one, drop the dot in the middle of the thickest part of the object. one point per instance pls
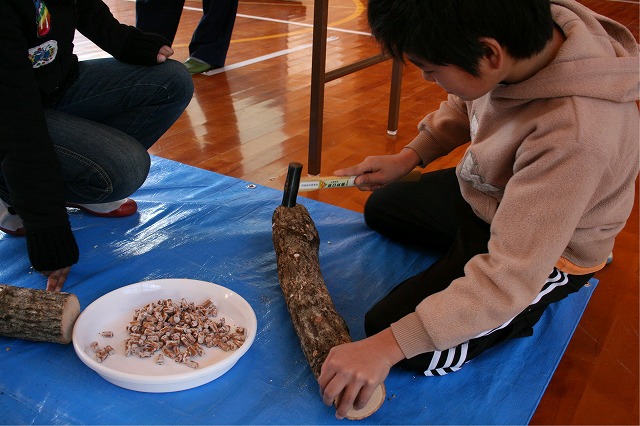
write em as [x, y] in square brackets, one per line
[103, 125]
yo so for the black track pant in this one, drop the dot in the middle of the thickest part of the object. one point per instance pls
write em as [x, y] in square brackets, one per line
[432, 214]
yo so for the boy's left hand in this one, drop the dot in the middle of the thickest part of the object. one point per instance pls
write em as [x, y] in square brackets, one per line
[352, 371]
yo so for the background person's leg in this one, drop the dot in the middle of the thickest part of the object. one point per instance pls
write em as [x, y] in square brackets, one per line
[212, 36]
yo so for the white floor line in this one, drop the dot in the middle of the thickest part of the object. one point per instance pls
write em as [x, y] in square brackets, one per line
[263, 58]
[281, 21]
[300, 24]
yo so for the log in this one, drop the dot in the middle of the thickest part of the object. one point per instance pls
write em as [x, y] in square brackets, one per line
[317, 323]
[38, 315]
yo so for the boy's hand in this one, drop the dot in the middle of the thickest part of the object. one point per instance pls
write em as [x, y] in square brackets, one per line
[377, 171]
[164, 53]
[352, 371]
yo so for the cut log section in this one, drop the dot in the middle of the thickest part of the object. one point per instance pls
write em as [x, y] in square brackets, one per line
[39, 315]
[317, 323]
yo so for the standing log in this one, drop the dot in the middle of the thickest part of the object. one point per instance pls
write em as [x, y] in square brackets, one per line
[317, 323]
[39, 315]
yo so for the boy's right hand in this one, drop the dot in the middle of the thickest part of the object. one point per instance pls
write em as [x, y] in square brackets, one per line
[377, 171]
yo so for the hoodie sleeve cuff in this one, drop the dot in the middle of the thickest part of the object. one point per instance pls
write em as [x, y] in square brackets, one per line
[411, 336]
[52, 249]
[423, 146]
[142, 48]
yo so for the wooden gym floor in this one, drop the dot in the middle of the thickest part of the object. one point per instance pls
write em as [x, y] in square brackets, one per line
[251, 120]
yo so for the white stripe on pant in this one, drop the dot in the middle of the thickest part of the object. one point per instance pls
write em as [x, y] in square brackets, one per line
[555, 280]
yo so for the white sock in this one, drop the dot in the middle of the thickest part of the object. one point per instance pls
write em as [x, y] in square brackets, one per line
[9, 221]
[104, 207]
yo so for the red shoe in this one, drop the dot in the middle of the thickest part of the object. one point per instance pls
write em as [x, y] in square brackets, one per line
[20, 232]
[121, 208]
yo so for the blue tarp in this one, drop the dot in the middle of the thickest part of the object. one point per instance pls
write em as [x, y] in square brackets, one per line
[201, 225]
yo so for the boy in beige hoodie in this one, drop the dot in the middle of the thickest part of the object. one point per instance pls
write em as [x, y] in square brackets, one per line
[545, 92]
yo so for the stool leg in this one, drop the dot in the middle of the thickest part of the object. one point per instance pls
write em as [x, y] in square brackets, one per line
[394, 98]
[318, 66]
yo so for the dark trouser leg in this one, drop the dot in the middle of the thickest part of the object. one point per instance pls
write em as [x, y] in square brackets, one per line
[424, 214]
[471, 239]
[558, 286]
[210, 41]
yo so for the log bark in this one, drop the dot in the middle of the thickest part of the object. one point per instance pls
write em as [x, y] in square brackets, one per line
[38, 315]
[317, 323]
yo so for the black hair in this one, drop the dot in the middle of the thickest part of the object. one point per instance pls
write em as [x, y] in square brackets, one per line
[446, 32]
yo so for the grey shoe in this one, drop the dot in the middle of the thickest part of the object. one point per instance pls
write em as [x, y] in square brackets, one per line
[196, 66]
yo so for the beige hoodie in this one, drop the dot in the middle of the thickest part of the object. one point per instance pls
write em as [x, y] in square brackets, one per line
[551, 166]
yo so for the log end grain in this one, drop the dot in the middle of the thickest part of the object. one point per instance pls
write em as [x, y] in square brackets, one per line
[70, 314]
[372, 406]
[39, 315]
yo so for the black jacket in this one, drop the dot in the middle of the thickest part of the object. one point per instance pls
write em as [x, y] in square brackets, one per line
[36, 65]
